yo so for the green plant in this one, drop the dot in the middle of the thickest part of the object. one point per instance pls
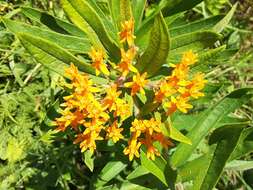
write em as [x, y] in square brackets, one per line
[161, 39]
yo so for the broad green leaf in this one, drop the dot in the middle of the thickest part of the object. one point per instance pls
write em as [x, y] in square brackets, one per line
[139, 171]
[111, 170]
[207, 121]
[84, 15]
[173, 7]
[160, 169]
[157, 167]
[157, 51]
[81, 22]
[200, 25]
[89, 160]
[194, 41]
[51, 55]
[239, 165]
[51, 22]
[225, 21]
[170, 131]
[70, 43]
[138, 7]
[190, 170]
[227, 139]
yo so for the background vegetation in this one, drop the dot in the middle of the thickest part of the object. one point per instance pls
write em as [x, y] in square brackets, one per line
[32, 156]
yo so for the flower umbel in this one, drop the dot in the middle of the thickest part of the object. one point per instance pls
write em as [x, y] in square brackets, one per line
[99, 112]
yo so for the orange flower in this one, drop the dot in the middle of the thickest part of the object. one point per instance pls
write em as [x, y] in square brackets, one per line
[125, 65]
[127, 32]
[180, 103]
[132, 149]
[111, 97]
[98, 57]
[189, 58]
[114, 132]
[138, 84]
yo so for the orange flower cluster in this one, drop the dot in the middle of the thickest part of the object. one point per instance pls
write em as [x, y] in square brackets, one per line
[146, 132]
[83, 110]
[177, 89]
[97, 114]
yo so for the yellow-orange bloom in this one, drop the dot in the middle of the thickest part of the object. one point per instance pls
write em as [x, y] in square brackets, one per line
[132, 149]
[98, 57]
[111, 97]
[138, 83]
[126, 63]
[127, 32]
[114, 132]
[189, 58]
[180, 103]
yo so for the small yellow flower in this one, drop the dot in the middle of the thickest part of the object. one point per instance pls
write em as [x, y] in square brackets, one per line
[151, 150]
[125, 65]
[180, 103]
[189, 58]
[122, 109]
[114, 132]
[111, 97]
[138, 83]
[98, 57]
[127, 32]
[166, 89]
[132, 149]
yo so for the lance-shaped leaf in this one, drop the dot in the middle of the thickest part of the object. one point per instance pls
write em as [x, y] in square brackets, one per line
[138, 7]
[111, 170]
[86, 17]
[120, 11]
[51, 55]
[227, 139]
[158, 48]
[159, 168]
[225, 21]
[207, 121]
[71, 43]
[173, 7]
[55, 24]
[199, 25]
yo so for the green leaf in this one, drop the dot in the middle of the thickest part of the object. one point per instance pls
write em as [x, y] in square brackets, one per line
[246, 144]
[207, 121]
[239, 165]
[138, 7]
[125, 10]
[89, 160]
[51, 55]
[70, 43]
[170, 131]
[225, 21]
[226, 138]
[172, 7]
[52, 22]
[139, 171]
[85, 16]
[157, 167]
[111, 170]
[157, 51]
[114, 6]
[194, 41]
[199, 25]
